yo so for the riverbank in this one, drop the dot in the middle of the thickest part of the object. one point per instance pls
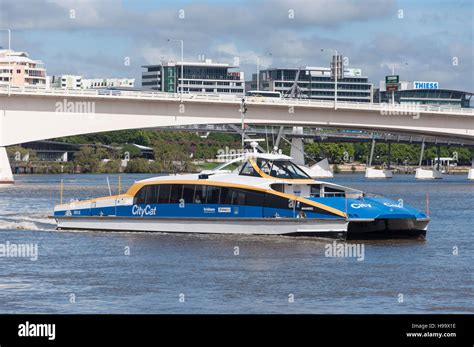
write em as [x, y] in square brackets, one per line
[196, 168]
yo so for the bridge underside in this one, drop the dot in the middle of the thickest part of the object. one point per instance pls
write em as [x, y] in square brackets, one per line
[323, 134]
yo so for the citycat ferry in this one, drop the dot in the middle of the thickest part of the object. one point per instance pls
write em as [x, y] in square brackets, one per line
[253, 193]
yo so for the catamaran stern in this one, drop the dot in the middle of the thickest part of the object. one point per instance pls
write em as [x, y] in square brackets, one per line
[387, 228]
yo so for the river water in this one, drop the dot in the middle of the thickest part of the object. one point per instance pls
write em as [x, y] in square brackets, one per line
[104, 272]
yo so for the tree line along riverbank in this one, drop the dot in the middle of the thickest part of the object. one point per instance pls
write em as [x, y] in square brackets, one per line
[177, 151]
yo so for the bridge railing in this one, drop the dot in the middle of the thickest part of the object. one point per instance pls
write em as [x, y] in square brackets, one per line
[224, 98]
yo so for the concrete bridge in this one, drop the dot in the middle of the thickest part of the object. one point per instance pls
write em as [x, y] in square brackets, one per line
[29, 114]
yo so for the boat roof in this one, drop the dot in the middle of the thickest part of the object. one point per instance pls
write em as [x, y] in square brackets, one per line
[225, 175]
[218, 177]
[232, 177]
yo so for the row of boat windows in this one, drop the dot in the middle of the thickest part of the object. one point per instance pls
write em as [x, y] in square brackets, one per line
[206, 194]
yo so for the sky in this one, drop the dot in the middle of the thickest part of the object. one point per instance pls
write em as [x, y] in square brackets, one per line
[426, 40]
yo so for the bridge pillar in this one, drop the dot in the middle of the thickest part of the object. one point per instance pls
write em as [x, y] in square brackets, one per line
[470, 175]
[297, 150]
[6, 176]
[370, 172]
[319, 170]
[424, 174]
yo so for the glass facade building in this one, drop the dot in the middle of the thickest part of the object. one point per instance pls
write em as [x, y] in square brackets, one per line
[408, 93]
[199, 77]
[315, 83]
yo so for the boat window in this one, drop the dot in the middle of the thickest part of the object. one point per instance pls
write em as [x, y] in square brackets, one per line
[254, 198]
[226, 196]
[232, 196]
[140, 196]
[238, 197]
[200, 194]
[315, 191]
[278, 187]
[152, 194]
[281, 169]
[333, 192]
[164, 194]
[248, 170]
[176, 192]
[212, 195]
[147, 195]
[275, 201]
[188, 193]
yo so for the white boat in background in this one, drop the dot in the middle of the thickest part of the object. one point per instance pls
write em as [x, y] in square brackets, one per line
[319, 170]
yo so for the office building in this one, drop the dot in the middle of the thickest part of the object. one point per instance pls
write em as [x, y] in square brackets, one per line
[204, 76]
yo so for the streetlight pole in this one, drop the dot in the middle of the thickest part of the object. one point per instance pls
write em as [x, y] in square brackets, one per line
[182, 64]
[336, 73]
[10, 72]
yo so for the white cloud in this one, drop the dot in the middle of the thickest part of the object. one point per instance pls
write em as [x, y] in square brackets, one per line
[247, 29]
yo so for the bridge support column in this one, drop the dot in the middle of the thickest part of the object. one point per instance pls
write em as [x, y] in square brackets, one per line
[423, 174]
[6, 176]
[470, 175]
[319, 170]
[297, 147]
[377, 173]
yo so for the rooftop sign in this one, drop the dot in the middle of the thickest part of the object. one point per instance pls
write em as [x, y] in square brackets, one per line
[391, 82]
[391, 79]
[425, 85]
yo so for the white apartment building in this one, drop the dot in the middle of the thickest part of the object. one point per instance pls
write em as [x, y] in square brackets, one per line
[65, 82]
[88, 83]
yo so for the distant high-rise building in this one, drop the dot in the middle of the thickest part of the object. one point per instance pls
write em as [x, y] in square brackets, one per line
[18, 70]
[315, 82]
[199, 77]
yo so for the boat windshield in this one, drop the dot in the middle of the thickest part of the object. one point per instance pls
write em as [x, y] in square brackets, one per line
[274, 168]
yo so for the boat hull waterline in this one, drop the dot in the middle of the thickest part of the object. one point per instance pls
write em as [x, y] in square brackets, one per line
[283, 226]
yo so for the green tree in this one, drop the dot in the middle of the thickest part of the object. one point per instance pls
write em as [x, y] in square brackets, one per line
[111, 166]
[138, 165]
[87, 159]
[133, 150]
[335, 152]
[13, 150]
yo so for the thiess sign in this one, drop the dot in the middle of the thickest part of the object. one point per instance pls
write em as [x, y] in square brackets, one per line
[425, 85]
